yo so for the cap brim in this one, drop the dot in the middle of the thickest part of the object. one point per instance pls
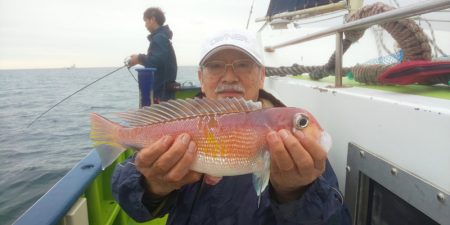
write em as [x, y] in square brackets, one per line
[224, 47]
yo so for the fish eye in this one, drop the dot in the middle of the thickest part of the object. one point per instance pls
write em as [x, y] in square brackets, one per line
[301, 121]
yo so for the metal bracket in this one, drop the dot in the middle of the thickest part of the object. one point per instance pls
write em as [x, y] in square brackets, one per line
[363, 166]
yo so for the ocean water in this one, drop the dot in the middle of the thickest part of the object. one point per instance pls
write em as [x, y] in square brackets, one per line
[33, 159]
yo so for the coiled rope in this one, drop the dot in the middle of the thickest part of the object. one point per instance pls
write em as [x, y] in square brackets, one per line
[409, 36]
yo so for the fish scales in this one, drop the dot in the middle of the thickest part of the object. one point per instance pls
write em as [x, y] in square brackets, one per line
[226, 143]
[230, 134]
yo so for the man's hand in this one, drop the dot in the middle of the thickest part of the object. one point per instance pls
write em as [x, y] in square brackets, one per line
[296, 161]
[134, 60]
[166, 164]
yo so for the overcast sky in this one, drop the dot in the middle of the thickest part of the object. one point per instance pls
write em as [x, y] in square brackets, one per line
[102, 33]
[94, 33]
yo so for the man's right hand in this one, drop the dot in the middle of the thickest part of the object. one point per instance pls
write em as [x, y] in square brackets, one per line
[166, 164]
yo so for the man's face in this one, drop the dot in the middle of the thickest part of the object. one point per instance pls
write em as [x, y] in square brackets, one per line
[149, 24]
[244, 80]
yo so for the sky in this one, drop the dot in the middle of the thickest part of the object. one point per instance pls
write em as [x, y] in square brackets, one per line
[96, 33]
[102, 33]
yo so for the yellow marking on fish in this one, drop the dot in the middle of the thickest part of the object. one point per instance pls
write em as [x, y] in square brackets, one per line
[212, 141]
[215, 148]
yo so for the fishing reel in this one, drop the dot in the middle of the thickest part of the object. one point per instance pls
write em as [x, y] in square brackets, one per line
[127, 61]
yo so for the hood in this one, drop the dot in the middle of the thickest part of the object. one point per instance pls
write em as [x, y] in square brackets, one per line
[163, 30]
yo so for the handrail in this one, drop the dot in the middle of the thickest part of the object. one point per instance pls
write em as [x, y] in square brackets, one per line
[388, 16]
[52, 207]
[395, 14]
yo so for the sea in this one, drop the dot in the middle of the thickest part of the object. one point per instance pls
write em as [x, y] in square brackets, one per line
[33, 158]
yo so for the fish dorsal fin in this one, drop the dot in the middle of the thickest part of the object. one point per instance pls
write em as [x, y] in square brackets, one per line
[188, 108]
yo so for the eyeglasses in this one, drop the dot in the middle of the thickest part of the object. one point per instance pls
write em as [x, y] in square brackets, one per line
[240, 67]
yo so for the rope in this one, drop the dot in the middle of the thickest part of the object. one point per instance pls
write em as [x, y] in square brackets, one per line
[396, 3]
[378, 32]
[377, 39]
[368, 74]
[294, 69]
[409, 36]
[433, 39]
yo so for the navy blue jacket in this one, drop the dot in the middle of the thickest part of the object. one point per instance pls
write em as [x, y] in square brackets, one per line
[232, 201]
[161, 55]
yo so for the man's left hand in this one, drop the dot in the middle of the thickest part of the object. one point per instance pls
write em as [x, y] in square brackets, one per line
[296, 161]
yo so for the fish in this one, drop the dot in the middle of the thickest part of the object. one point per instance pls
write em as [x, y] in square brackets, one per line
[230, 134]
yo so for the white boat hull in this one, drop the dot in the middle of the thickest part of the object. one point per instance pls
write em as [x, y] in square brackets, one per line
[411, 131]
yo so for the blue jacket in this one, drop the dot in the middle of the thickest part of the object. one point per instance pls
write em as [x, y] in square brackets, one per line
[232, 201]
[161, 55]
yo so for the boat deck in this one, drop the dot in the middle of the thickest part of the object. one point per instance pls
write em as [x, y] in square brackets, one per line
[438, 91]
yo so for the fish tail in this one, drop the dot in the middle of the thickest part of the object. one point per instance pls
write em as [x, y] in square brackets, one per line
[104, 134]
[261, 177]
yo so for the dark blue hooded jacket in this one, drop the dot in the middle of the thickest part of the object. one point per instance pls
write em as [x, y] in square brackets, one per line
[161, 55]
[232, 201]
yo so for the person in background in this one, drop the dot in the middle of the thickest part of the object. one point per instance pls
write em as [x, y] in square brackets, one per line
[303, 187]
[160, 55]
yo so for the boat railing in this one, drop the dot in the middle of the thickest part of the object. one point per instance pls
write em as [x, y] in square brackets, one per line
[51, 207]
[396, 14]
[84, 195]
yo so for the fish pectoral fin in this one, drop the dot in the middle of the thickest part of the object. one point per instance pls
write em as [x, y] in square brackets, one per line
[109, 153]
[211, 180]
[261, 177]
[326, 141]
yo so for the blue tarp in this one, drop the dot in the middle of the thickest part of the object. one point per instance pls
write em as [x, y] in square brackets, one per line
[279, 6]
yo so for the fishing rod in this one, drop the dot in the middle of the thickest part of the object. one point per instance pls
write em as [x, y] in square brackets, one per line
[250, 14]
[42, 114]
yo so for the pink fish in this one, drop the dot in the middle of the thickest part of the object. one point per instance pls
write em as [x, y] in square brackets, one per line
[230, 134]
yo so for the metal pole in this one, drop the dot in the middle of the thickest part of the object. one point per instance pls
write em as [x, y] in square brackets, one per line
[338, 62]
[388, 16]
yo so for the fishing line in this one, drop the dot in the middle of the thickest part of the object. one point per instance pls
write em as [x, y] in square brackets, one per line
[128, 68]
[126, 61]
[42, 114]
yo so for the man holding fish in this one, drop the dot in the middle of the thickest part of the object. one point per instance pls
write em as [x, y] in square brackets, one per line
[190, 171]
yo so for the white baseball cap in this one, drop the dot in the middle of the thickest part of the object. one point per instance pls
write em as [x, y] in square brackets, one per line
[240, 40]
